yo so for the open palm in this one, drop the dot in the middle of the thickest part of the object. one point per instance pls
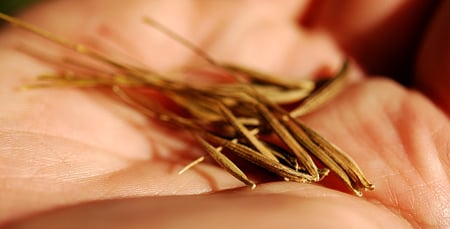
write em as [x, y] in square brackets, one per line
[68, 147]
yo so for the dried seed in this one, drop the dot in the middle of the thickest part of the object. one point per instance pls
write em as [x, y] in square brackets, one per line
[255, 157]
[289, 140]
[246, 133]
[342, 159]
[226, 163]
[322, 94]
[258, 77]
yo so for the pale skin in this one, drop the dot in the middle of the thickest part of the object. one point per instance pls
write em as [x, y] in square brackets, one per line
[96, 162]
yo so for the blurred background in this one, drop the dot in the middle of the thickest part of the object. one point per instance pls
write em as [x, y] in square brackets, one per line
[12, 6]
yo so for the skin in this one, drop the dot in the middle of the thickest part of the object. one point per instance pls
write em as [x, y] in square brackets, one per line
[67, 155]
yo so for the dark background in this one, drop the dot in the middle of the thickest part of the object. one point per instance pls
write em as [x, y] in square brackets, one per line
[12, 6]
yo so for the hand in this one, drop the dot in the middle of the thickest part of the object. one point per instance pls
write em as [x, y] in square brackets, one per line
[61, 149]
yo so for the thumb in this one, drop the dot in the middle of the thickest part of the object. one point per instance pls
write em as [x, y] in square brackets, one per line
[276, 205]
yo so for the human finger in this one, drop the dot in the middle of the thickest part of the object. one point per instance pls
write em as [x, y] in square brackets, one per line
[279, 205]
[383, 38]
[433, 69]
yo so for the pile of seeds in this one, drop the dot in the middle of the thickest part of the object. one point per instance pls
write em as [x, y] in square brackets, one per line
[253, 116]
